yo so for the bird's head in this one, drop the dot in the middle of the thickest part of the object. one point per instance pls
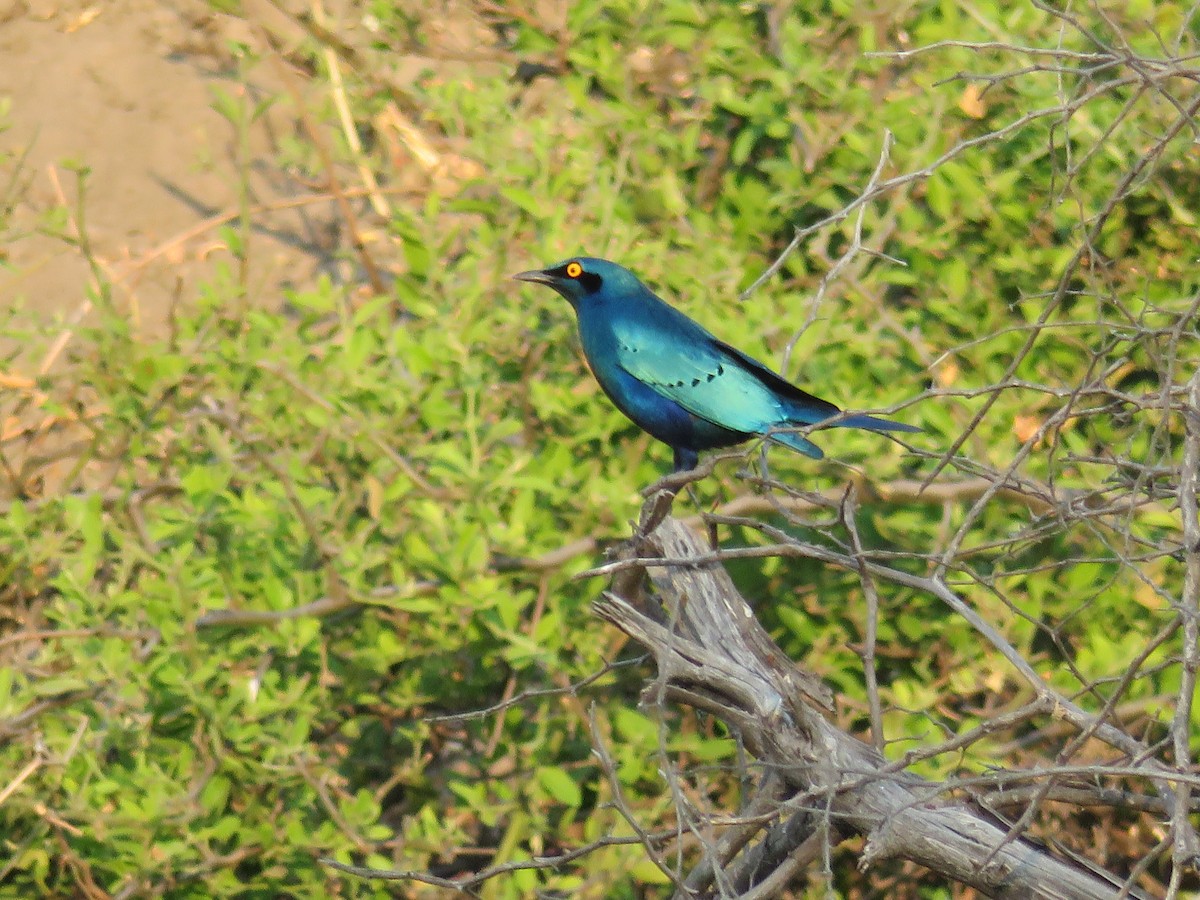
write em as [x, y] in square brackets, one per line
[584, 278]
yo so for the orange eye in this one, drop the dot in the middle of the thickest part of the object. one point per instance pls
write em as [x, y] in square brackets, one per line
[574, 270]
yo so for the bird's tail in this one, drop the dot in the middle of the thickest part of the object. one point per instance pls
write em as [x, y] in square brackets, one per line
[793, 440]
[873, 424]
[808, 448]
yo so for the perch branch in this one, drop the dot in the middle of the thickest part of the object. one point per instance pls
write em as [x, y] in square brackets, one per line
[715, 654]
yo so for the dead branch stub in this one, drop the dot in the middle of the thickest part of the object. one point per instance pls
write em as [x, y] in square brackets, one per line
[712, 654]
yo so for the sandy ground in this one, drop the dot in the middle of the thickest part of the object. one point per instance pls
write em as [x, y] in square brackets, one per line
[130, 91]
[127, 89]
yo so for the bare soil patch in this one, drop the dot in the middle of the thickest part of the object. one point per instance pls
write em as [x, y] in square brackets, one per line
[127, 90]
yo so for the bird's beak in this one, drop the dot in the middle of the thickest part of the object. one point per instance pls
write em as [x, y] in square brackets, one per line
[537, 276]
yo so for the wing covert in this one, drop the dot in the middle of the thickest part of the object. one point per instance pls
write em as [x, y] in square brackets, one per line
[698, 372]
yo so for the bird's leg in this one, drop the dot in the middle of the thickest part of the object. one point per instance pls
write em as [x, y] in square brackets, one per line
[685, 460]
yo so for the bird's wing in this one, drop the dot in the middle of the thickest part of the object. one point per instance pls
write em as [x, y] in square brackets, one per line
[801, 406]
[711, 379]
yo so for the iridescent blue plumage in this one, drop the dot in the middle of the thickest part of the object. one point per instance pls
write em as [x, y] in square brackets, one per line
[673, 378]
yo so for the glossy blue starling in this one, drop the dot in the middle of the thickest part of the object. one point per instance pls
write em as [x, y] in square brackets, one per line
[673, 378]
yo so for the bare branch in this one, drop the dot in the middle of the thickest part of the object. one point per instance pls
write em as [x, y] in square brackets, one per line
[750, 684]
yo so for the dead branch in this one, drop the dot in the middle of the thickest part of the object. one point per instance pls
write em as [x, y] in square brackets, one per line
[716, 657]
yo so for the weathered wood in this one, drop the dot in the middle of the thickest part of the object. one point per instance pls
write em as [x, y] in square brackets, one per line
[712, 654]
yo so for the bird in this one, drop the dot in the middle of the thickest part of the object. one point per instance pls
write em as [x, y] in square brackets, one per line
[673, 378]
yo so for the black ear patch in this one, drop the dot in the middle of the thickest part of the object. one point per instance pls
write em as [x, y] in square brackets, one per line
[591, 281]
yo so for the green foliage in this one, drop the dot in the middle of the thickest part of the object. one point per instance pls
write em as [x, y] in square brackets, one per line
[396, 463]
